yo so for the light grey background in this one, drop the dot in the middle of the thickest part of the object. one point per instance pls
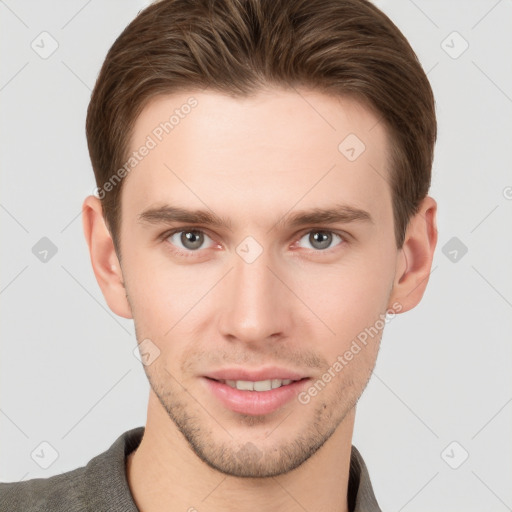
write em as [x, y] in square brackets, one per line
[68, 375]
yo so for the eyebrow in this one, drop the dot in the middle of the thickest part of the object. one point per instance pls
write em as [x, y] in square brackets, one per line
[339, 213]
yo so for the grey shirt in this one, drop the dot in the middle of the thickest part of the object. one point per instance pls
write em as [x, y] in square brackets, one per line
[101, 485]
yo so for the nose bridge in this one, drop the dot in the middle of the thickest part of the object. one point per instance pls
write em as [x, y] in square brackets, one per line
[256, 307]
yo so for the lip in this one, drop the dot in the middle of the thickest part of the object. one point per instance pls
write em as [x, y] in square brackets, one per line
[268, 373]
[253, 403]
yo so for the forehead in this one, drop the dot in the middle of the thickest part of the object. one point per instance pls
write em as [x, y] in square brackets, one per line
[252, 154]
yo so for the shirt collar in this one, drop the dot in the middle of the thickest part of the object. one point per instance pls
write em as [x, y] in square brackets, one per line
[106, 484]
[361, 497]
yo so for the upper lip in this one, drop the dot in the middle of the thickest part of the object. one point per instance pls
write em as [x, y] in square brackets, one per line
[255, 375]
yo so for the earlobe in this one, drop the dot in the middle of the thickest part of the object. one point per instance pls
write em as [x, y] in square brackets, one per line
[414, 261]
[105, 263]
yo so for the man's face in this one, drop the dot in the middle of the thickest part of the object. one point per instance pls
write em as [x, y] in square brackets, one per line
[260, 293]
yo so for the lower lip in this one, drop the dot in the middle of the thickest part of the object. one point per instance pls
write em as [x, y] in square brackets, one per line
[254, 402]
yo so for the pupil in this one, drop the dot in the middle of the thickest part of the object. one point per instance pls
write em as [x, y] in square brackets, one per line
[192, 238]
[322, 239]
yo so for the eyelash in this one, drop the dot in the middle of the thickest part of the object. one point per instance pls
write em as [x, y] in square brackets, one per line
[344, 237]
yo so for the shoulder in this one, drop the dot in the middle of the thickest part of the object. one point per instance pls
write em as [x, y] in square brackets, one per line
[62, 492]
[100, 485]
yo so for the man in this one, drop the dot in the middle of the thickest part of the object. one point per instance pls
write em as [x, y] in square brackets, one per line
[262, 211]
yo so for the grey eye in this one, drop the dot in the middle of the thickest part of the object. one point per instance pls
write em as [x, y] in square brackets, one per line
[190, 240]
[319, 239]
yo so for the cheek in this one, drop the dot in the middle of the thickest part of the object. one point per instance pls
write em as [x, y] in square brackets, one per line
[150, 291]
[348, 297]
[164, 297]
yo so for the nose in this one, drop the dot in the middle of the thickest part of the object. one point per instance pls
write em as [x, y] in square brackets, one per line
[256, 305]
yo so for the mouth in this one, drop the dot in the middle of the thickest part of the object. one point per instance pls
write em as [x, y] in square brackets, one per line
[259, 385]
[254, 397]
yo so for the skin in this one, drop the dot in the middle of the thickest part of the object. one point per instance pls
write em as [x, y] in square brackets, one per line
[298, 306]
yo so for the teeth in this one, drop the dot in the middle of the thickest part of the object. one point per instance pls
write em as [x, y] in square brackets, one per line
[260, 385]
[263, 385]
[244, 385]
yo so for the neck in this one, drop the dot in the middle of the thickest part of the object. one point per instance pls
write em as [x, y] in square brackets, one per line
[164, 474]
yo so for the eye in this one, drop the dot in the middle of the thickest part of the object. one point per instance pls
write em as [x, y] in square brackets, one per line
[320, 239]
[190, 239]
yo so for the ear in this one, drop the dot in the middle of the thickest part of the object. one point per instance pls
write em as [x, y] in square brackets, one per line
[104, 258]
[414, 260]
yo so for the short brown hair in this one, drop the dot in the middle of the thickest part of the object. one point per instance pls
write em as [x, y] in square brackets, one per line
[338, 47]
